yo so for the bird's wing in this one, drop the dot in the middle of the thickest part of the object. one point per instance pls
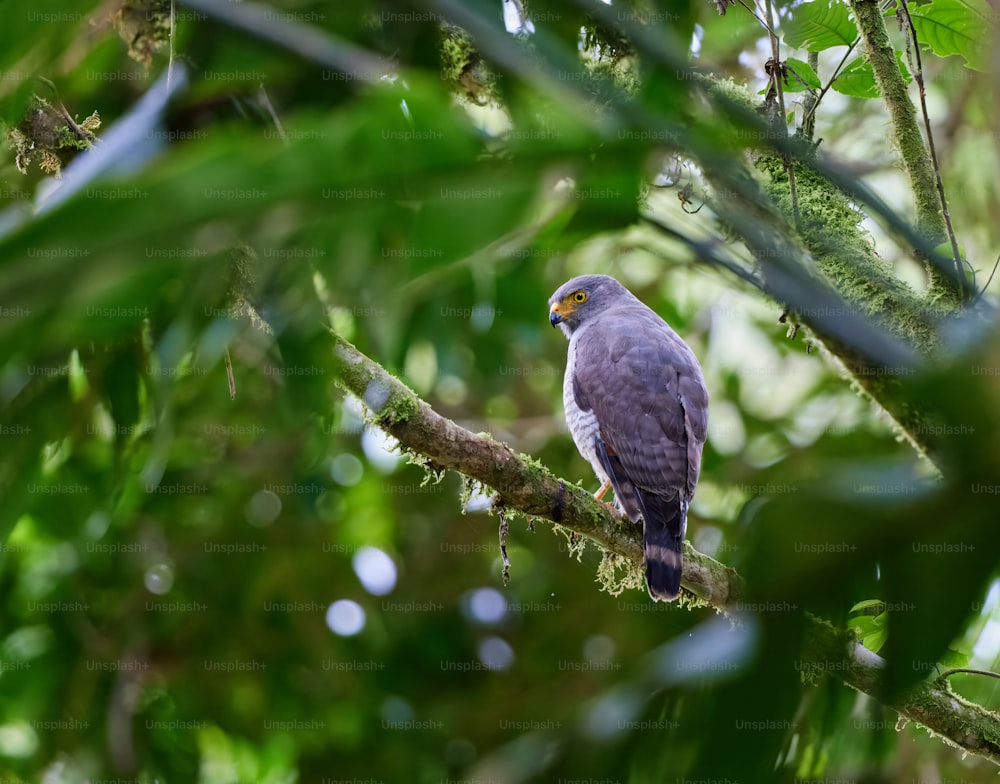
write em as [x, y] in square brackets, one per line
[645, 387]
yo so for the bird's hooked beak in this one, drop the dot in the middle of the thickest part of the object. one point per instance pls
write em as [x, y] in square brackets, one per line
[562, 312]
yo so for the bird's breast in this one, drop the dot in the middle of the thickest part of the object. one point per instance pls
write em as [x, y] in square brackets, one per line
[582, 424]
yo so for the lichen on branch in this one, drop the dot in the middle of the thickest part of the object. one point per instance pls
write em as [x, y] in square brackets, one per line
[49, 134]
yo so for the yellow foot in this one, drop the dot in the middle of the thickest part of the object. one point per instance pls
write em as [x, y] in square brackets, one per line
[599, 495]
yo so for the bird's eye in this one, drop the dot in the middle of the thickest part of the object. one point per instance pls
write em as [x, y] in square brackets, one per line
[580, 296]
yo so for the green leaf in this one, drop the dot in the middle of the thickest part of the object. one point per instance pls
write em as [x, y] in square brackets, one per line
[868, 604]
[820, 25]
[858, 79]
[954, 27]
[801, 76]
[871, 630]
[871, 623]
[953, 659]
[876, 640]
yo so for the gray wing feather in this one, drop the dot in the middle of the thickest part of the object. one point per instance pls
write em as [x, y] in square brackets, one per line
[646, 389]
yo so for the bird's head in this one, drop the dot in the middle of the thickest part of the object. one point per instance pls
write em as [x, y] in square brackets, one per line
[580, 299]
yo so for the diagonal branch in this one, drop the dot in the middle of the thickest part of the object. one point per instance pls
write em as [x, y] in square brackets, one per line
[522, 485]
[809, 118]
[932, 704]
[527, 487]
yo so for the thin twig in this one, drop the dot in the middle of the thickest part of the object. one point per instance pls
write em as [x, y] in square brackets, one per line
[777, 77]
[707, 250]
[970, 670]
[918, 75]
[170, 59]
[812, 99]
[81, 134]
[994, 272]
[230, 377]
[504, 532]
[829, 84]
[265, 101]
[755, 15]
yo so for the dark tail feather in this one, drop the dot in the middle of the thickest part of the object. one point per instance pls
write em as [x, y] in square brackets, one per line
[663, 522]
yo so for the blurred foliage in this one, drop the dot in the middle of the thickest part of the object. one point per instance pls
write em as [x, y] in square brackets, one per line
[195, 585]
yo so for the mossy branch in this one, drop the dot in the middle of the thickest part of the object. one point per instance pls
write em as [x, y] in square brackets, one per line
[532, 489]
[931, 704]
[906, 132]
[832, 282]
[823, 268]
[521, 485]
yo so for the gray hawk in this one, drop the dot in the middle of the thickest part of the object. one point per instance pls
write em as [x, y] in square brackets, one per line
[637, 408]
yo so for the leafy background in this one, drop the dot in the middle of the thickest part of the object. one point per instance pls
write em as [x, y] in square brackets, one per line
[181, 568]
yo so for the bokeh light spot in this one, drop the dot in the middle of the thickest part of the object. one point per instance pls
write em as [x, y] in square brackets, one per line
[263, 508]
[496, 654]
[376, 570]
[346, 470]
[159, 578]
[487, 605]
[345, 618]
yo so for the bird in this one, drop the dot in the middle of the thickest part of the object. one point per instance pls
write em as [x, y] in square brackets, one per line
[637, 408]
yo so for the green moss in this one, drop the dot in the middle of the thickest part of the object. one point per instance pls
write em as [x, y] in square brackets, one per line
[830, 229]
[399, 408]
[457, 53]
[469, 487]
[845, 253]
[242, 271]
[464, 69]
[577, 542]
[71, 138]
[621, 73]
[616, 574]
[906, 132]
[726, 88]
[533, 463]
[927, 700]
[242, 280]
[48, 134]
[145, 26]
[433, 473]
[691, 601]
[943, 292]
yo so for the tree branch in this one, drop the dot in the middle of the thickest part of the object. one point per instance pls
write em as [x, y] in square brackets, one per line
[916, 159]
[520, 483]
[867, 320]
[780, 123]
[932, 704]
[918, 76]
[875, 357]
[530, 488]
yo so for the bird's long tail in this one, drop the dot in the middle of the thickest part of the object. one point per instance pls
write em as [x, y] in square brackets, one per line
[664, 519]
